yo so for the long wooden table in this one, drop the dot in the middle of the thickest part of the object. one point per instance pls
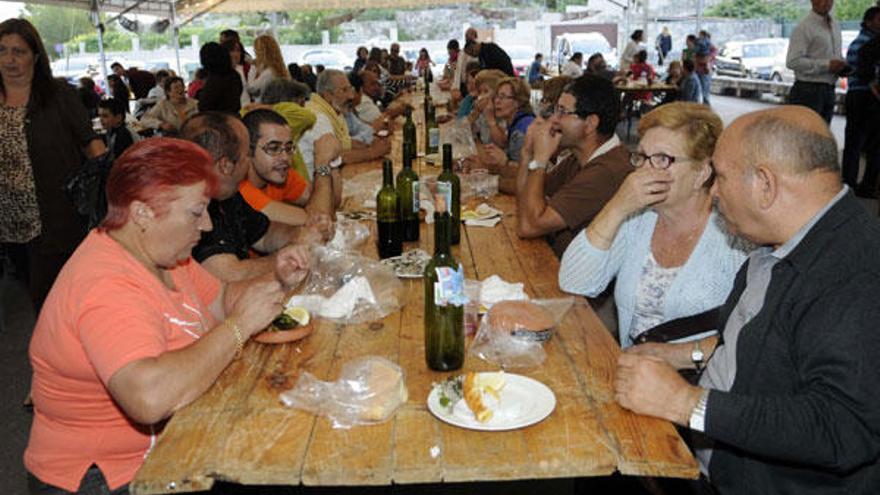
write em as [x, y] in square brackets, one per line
[239, 431]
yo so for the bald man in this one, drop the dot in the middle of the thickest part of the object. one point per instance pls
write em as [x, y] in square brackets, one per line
[788, 402]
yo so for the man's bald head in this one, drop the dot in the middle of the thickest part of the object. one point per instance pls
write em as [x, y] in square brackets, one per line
[791, 138]
[226, 138]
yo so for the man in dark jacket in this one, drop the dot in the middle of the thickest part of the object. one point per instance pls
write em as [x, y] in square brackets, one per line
[491, 56]
[788, 402]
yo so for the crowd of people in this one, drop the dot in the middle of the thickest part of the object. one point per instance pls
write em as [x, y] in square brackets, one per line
[209, 225]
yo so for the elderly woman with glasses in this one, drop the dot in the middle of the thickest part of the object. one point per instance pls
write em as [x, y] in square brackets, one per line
[660, 236]
[511, 104]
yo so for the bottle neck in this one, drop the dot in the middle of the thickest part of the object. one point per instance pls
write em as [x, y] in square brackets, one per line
[387, 176]
[442, 233]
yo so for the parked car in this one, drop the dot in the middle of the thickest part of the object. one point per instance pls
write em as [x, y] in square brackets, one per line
[521, 56]
[328, 57]
[567, 44]
[763, 58]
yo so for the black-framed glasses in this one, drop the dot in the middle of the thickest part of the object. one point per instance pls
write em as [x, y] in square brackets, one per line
[275, 148]
[660, 161]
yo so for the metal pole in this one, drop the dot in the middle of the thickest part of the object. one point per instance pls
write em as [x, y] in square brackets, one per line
[175, 33]
[699, 15]
[96, 20]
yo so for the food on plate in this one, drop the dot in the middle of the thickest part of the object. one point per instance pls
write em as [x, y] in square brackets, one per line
[387, 390]
[475, 386]
[522, 319]
[292, 324]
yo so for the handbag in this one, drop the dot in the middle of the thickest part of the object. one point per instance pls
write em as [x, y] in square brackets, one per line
[85, 186]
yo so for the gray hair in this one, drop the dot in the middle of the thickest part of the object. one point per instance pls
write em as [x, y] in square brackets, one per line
[779, 142]
[326, 82]
[281, 90]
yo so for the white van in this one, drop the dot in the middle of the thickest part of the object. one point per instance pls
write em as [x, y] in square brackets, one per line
[567, 44]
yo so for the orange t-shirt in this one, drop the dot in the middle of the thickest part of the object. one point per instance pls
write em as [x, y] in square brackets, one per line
[105, 311]
[260, 198]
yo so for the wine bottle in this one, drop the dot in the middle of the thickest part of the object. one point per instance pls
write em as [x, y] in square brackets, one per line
[444, 300]
[409, 133]
[449, 185]
[408, 197]
[432, 132]
[387, 217]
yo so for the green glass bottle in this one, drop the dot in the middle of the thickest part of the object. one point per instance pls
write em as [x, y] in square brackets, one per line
[449, 185]
[390, 241]
[432, 131]
[409, 133]
[408, 197]
[444, 308]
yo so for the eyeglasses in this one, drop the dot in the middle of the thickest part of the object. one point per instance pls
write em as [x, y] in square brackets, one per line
[660, 161]
[275, 148]
[562, 112]
[504, 97]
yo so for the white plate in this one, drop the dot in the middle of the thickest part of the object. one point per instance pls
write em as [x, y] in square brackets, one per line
[524, 402]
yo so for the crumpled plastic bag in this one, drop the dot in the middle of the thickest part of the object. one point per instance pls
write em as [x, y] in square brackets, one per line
[350, 235]
[369, 390]
[348, 288]
[504, 348]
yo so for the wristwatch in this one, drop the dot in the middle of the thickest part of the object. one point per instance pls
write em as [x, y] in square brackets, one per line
[697, 421]
[536, 165]
[697, 357]
[322, 170]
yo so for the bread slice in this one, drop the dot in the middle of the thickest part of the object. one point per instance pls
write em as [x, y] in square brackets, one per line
[473, 388]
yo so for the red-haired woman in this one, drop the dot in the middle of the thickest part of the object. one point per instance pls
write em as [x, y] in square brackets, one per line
[133, 328]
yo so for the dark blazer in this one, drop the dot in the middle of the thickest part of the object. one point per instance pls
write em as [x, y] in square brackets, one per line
[803, 415]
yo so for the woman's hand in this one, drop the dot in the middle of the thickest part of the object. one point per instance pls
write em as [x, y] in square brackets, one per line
[492, 157]
[645, 187]
[292, 265]
[257, 305]
[322, 223]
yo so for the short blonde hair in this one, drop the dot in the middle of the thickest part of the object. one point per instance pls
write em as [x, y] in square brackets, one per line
[489, 77]
[522, 93]
[698, 123]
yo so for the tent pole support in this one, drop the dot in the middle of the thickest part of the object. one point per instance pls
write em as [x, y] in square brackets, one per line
[96, 20]
[175, 33]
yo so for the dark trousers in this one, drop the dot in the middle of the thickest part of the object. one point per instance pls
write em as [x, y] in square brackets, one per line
[862, 132]
[817, 96]
[93, 483]
[37, 264]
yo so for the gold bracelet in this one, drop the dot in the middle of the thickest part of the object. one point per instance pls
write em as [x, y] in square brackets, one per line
[239, 341]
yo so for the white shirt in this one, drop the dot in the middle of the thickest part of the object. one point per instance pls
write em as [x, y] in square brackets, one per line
[245, 96]
[812, 45]
[572, 69]
[367, 110]
[307, 141]
[629, 54]
[157, 93]
[258, 85]
[460, 63]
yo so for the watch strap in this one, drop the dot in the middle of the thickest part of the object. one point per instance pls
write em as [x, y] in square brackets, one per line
[536, 165]
[697, 420]
[322, 170]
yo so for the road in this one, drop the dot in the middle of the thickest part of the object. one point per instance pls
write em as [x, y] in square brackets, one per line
[730, 107]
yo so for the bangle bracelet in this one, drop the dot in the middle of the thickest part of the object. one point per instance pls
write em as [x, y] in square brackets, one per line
[239, 341]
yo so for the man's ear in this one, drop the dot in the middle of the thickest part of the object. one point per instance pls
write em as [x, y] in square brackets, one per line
[766, 185]
[225, 166]
[593, 124]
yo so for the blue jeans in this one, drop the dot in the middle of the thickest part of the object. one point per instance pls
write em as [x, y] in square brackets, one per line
[817, 96]
[93, 483]
[705, 86]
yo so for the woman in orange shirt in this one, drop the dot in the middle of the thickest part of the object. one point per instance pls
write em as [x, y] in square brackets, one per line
[133, 328]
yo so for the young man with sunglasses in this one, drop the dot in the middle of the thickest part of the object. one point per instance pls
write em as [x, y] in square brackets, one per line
[560, 202]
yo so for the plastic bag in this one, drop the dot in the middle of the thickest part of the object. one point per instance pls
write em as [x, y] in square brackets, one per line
[462, 139]
[348, 288]
[350, 235]
[513, 347]
[368, 391]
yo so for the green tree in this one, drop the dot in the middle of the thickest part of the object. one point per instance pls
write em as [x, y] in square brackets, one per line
[851, 10]
[758, 9]
[57, 24]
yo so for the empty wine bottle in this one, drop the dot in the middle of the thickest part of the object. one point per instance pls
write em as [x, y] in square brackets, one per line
[448, 184]
[390, 240]
[408, 197]
[409, 133]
